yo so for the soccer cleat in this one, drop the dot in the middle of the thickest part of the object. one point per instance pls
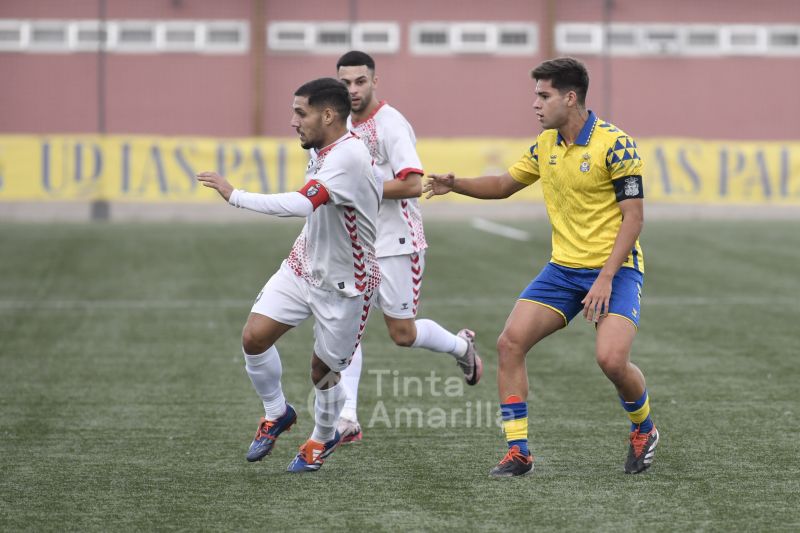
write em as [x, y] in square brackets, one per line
[350, 430]
[313, 454]
[513, 464]
[471, 363]
[641, 451]
[268, 431]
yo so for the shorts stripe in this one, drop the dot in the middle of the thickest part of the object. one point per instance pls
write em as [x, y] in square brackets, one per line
[547, 306]
[626, 318]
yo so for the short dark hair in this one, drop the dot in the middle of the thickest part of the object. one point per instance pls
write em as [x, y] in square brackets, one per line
[325, 92]
[354, 58]
[565, 74]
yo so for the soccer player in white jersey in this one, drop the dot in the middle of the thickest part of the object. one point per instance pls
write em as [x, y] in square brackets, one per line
[401, 239]
[331, 271]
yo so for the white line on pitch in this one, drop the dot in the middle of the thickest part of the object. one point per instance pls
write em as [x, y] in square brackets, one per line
[499, 229]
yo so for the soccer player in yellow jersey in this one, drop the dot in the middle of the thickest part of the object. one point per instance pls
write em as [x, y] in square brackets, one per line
[591, 177]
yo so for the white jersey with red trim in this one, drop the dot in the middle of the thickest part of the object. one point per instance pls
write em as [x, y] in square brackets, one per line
[336, 249]
[392, 144]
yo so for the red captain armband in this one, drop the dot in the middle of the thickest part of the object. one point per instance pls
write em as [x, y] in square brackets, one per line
[403, 174]
[316, 193]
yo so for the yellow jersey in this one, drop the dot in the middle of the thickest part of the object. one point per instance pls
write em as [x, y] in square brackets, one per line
[578, 182]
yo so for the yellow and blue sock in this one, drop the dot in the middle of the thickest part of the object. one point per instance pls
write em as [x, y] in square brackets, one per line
[639, 413]
[515, 422]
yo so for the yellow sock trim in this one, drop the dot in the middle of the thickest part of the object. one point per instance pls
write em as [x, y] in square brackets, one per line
[516, 429]
[641, 414]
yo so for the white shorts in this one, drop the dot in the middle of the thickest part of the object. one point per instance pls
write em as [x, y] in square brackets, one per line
[339, 321]
[401, 281]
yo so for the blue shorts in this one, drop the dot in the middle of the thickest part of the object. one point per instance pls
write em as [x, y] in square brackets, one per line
[561, 289]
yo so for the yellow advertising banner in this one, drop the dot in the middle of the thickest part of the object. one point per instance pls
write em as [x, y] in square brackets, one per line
[154, 169]
[143, 168]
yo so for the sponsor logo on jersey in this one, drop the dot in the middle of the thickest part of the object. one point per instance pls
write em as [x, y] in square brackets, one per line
[553, 159]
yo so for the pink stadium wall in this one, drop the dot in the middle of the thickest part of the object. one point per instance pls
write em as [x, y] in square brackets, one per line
[460, 95]
[186, 94]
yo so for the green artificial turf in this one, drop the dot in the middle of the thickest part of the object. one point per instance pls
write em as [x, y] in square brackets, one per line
[124, 404]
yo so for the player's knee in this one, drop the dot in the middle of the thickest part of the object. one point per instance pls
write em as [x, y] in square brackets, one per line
[252, 343]
[403, 334]
[321, 374]
[613, 363]
[507, 349]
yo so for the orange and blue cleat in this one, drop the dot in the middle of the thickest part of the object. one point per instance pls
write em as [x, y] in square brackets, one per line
[312, 454]
[268, 431]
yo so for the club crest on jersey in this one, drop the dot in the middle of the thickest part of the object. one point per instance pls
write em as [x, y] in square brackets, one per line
[313, 190]
[631, 186]
[585, 166]
[553, 159]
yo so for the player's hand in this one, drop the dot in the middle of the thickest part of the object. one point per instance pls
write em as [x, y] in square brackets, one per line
[595, 305]
[438, 184]
[215, 181]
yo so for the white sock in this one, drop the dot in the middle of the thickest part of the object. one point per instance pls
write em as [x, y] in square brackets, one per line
[265, 372]
[350, 378]
[434, 337]
[327, 407]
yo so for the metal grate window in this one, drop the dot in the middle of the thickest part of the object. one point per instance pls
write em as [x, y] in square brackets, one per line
[136, 36]
[220, 37]
[290, 36]
[784, 40]
[579, 38]
[179, 36]
[333, 37]
[430, 38]
[744, 40]
[513, 38]
[13, 35]
[124, 36]
[88, 35]
[376, 36]
[474, 37]
[498, 38]
[49, 36]
[678, 39]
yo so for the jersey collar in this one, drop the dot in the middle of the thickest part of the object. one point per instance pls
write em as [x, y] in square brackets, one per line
[586, 131]
[348, 135]
[374, 112]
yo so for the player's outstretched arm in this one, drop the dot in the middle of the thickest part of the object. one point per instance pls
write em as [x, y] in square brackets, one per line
[288, 204]
[214, 181]
[484, 187]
